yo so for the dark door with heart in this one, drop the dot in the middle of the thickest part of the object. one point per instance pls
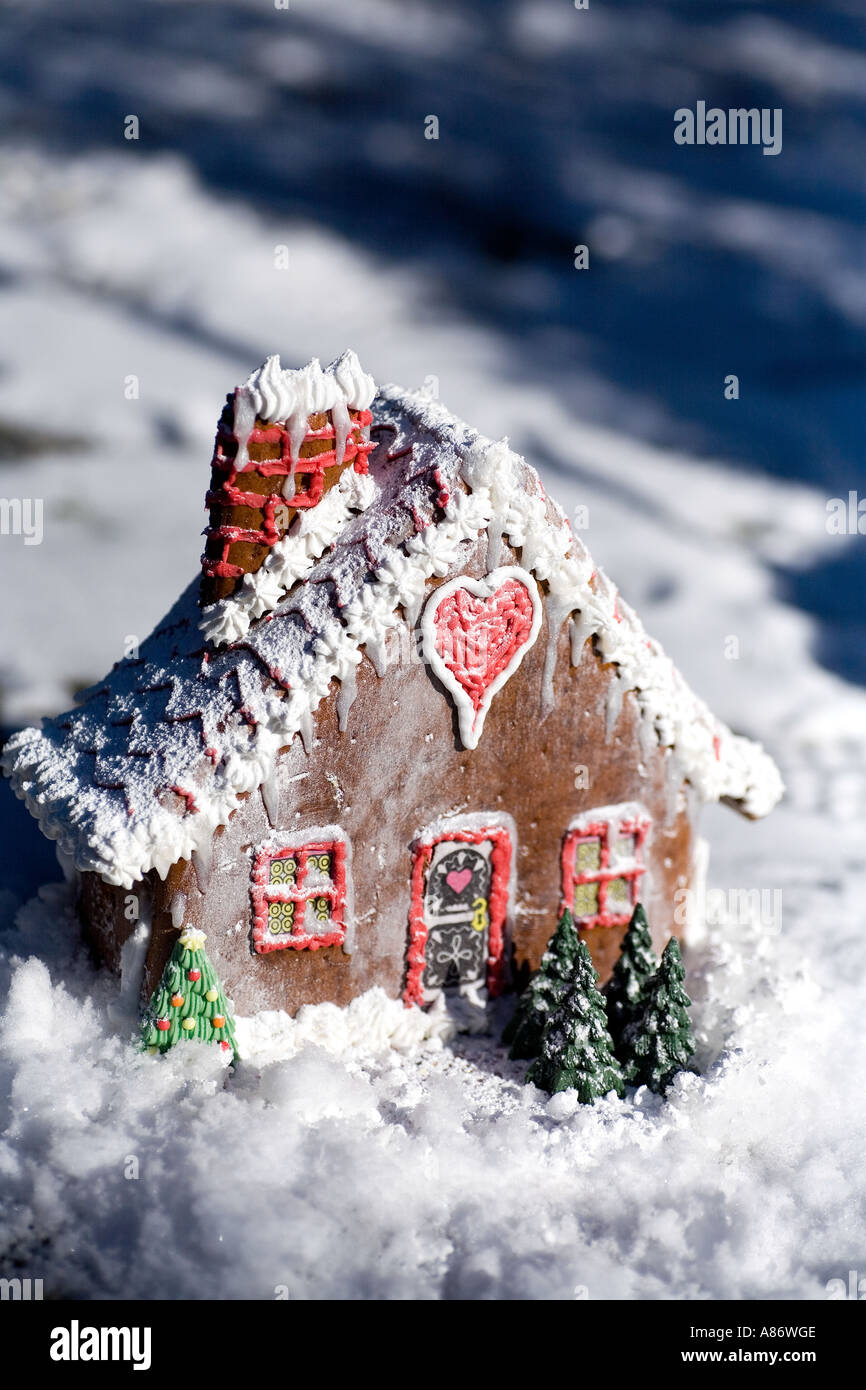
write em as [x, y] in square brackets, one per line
[457, 916]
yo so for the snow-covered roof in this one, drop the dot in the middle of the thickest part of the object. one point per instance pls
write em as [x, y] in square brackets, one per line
[158, 755]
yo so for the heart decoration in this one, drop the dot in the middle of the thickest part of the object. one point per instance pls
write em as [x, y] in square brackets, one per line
[475, 633]
[458, 879]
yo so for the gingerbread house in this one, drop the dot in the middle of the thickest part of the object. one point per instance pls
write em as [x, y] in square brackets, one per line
[400, 721]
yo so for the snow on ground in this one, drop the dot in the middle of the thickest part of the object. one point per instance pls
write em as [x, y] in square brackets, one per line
[428, 1170]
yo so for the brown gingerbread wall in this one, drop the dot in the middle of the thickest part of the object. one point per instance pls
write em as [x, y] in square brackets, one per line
[399, 767]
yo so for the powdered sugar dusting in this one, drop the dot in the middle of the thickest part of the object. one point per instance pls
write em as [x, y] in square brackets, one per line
[159, 754]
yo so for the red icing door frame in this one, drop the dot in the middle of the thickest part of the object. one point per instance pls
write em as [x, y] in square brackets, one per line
[500, 862]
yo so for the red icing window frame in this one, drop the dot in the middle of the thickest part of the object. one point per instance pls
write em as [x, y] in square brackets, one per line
[264, 893]
[572, 877]
[500, 862]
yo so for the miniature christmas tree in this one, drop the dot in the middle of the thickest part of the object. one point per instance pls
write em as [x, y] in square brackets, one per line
[636, 965]
[543, 992]
[659, 1042]
[576, 1049]
[188, 1003]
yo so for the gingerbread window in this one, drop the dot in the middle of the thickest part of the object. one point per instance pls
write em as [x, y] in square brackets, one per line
[602, 865]
[299, 895]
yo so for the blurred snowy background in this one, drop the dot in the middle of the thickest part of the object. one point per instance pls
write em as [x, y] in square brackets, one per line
[452, 259]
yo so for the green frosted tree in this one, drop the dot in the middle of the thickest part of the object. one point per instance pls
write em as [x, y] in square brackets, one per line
[188, 1004]
[544, 991]
[576, 1048]
[635, 967]
[659, 1042]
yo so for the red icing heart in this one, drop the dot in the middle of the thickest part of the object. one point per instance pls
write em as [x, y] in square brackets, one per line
[477, 638]
[458, 879]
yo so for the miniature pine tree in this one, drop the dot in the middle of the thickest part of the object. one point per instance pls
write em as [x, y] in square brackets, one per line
[543, 992]
[635, 967]
[576, 1049]
[659, 1042]
[188, 1004]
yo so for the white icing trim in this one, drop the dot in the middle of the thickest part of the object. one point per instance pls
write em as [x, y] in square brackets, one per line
[370, 1023]
[286, 394]
[717, 762]
[504, 499]
[289, 560]
[614, 816]
[470, 720]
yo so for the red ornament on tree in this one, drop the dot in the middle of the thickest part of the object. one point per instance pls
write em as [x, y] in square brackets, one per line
[193, 975]
[163, 1024]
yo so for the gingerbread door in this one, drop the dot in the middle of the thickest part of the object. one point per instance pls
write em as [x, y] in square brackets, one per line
[460, 898]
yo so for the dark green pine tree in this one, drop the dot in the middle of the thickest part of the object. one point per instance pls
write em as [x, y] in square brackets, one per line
[576, 1049]
[635, 967]
[659, 1042]
[188, 1004]
[544, 991]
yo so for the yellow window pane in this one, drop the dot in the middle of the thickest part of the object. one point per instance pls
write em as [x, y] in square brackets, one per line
[618, 894]
[283, 870]
[588, 855]
[625, 847]
[322, 909]
[281, 917]
[586, 900]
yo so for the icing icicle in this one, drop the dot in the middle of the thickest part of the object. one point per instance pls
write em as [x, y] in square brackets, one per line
[218, 722]
[615, 696]
[271, 795]
[202, 862]
[244, 424]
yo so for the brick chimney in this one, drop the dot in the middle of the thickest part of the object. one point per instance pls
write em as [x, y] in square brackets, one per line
[283, 440]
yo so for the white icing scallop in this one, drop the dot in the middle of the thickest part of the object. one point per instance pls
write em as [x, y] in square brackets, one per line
[503, 501]
[282, 394]
[357, 388]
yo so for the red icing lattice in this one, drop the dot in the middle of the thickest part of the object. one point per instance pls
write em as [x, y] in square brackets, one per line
[309, 477]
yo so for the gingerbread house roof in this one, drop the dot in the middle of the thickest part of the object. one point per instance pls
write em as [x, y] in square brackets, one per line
[160, 753]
